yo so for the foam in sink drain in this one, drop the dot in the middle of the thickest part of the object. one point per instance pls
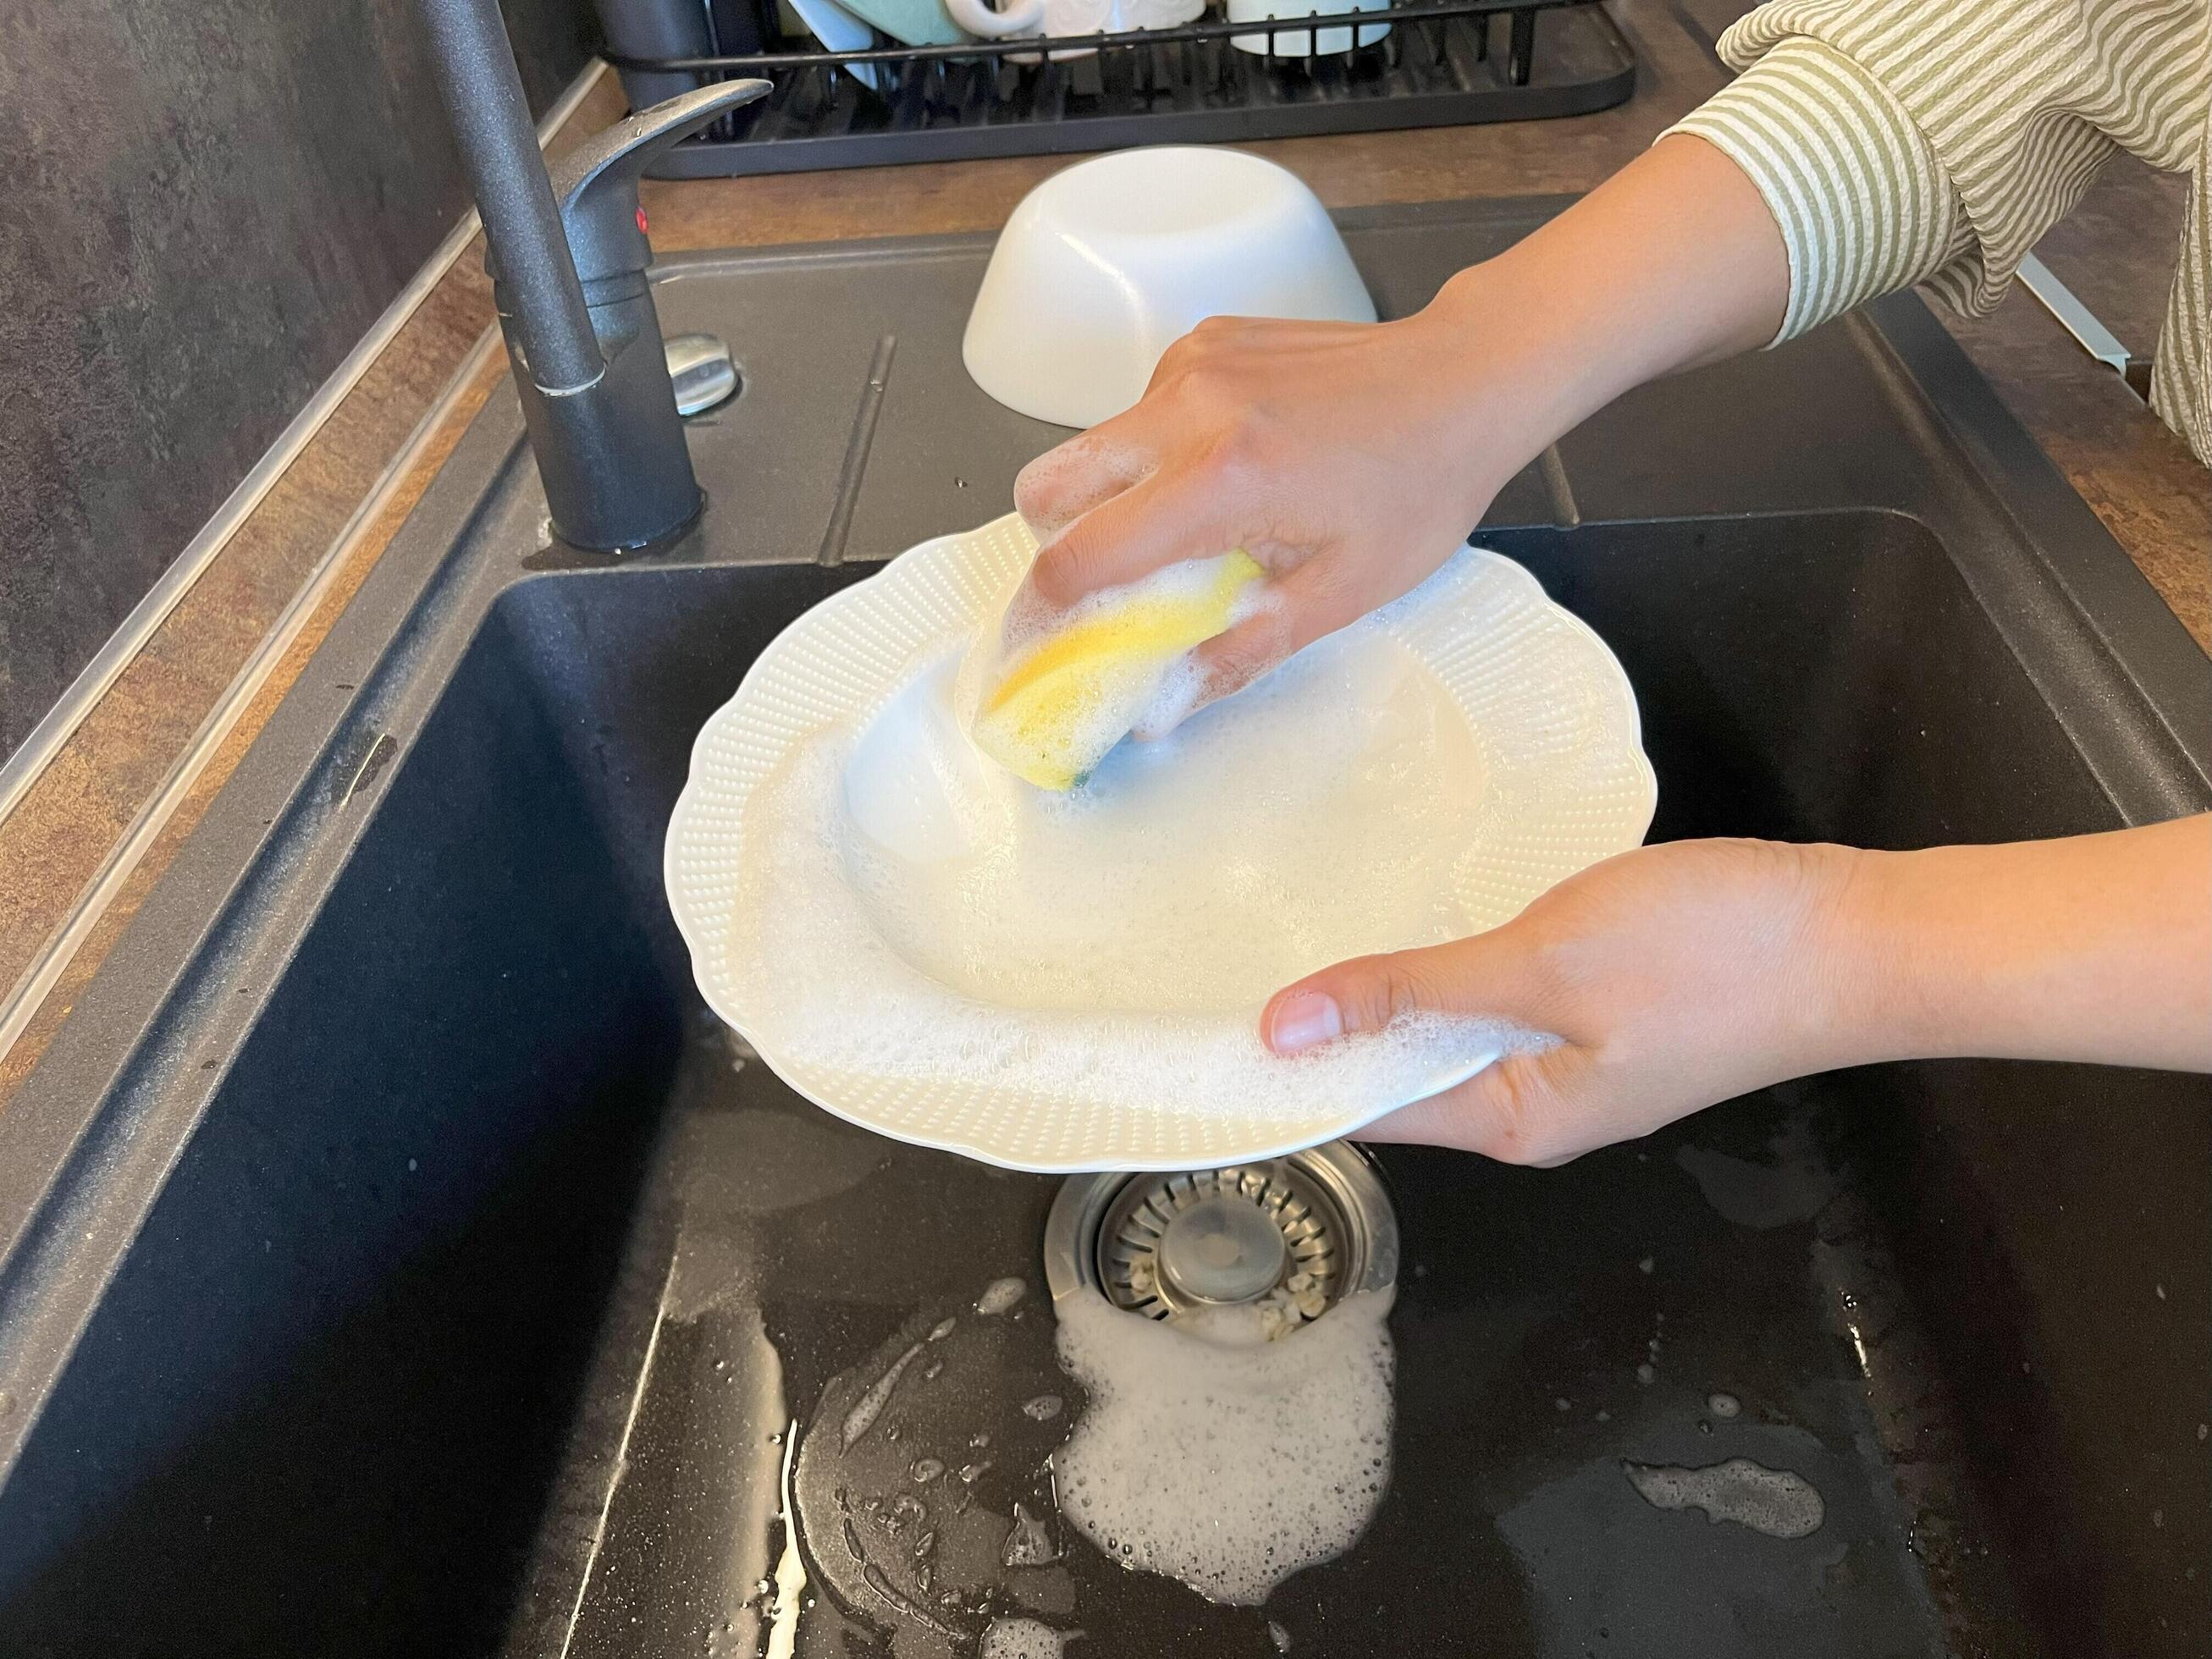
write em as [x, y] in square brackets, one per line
[1227, 1466]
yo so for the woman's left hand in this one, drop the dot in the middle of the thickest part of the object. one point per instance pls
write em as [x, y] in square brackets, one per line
[1675, 976]
[1690, 972]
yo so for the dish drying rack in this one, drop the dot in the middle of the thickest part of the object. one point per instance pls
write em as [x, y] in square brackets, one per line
[1440, 64]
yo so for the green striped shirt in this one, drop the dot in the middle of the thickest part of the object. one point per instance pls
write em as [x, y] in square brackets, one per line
[1934, 141]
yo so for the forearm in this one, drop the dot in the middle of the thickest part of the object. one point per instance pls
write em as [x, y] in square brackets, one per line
[1673, 262]
[2091, 948]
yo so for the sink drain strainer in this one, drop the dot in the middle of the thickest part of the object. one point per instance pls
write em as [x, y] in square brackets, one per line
[1314, 1227]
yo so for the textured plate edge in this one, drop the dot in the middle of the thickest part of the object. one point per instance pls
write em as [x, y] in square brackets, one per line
[1646, 775]
[1309, 1136]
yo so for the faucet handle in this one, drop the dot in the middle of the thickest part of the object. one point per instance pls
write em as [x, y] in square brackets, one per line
[596, 185]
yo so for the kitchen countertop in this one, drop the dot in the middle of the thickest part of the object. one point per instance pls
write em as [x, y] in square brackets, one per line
[98, 828]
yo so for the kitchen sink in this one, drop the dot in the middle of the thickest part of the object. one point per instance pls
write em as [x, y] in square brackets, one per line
[395, 1257]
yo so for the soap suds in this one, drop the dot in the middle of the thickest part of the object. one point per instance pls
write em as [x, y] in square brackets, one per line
[1172, 700]
[1024, 1638]
[906, 909]
[1775, 1502]
[1227, 1468]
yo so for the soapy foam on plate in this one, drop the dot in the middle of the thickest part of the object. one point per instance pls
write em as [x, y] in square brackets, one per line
[1308, 820]
[907, 909]
[1226, 1465]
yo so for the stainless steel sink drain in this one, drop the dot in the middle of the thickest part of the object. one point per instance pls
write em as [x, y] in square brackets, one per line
[1313, 1228]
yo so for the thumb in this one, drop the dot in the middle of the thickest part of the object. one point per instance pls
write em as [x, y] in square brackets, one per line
[1494, 974]
[1513, 1109]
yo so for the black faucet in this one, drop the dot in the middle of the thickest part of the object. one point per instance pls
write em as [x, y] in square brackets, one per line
[568, 255]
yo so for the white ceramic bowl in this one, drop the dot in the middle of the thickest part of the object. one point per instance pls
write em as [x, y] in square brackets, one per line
[1105, 265]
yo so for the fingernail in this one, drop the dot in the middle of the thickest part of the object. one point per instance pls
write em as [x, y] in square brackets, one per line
[1303, 1020]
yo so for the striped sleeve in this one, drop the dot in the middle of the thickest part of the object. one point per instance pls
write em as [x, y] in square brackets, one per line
[2181, 372]
[1863, 206]
[1898, 141]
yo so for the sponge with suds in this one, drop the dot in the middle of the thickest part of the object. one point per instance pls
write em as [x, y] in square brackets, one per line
[1064, 691]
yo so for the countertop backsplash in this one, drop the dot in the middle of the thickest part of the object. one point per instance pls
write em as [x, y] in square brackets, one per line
[208, 204]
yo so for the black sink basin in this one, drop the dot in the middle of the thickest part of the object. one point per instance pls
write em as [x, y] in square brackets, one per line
[398, 1260]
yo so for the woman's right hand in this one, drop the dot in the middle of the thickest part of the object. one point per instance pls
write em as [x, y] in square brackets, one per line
[1349, 459]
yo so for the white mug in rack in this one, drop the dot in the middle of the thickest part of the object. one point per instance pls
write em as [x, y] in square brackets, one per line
[1061, 19]
[1299, 43]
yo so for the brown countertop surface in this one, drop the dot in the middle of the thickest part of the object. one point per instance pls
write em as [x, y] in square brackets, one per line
[97, 829]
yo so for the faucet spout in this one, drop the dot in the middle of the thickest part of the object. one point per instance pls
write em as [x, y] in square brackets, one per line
[483, 97]
[568, 264]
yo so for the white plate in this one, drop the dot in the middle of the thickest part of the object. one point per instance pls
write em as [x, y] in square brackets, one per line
[1551, 777]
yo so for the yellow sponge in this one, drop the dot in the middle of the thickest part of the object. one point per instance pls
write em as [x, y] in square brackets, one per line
[1064, 697]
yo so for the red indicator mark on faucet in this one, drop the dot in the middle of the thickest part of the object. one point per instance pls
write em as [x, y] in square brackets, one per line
[640, 222]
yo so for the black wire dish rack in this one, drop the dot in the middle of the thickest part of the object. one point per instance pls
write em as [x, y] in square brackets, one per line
[1439, 65]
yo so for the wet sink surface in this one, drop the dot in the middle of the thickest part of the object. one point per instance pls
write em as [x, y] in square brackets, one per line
[463, 1286]
[1548, 1332]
